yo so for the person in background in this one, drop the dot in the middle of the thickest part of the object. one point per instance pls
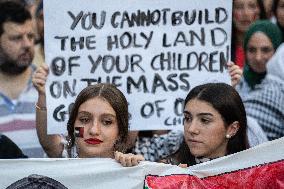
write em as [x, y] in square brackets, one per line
[266, 102]
[260, 42]
[215, 125]
[268, 4]
[39, 48]
[17, 94]
[245, 12]
[278, 10]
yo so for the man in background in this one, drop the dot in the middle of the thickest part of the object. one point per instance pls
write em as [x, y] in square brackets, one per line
[17, 94]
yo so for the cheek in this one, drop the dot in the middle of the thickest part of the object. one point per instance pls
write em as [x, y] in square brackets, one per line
[115, 134]
[111, 133]
[186, 134]
[215, 138]
[237, 16]
[79, 132]
[249, 56]
[13, 54]
[280, 16]
[10, 49]
[254, 18]
[256, 14]
[268, 55]
[40, 27]
[217, 134]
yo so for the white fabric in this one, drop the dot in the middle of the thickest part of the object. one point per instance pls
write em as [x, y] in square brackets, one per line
[255, 133]
[106, 173]
[275, 66]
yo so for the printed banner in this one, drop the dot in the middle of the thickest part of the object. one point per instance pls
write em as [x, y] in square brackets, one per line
[258, 167]
[154, 51]
[268, 176]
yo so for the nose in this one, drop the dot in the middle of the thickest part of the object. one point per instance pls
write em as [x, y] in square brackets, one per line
[28, 41]
[192, 128]
[247, 11]
[258, 56]
[95, 128]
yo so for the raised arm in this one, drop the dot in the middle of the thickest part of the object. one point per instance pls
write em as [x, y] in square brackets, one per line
[50, 143]
[235, 72]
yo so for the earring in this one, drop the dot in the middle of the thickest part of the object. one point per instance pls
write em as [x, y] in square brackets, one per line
[228, 136]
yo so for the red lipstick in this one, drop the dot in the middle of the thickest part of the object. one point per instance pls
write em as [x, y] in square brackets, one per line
[93, 141]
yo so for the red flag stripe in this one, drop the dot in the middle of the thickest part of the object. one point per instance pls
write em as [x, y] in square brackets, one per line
[260, 177]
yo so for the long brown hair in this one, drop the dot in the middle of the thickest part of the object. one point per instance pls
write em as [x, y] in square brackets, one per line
[117, 101]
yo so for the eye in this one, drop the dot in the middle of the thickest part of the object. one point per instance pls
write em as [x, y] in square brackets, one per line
[251, 50]
[84, 120]
[253, 6]
[266, 49]
[187, 119]
[16, 38]
[238, 6]
[107, 122]
[205, 120]
[31, 36]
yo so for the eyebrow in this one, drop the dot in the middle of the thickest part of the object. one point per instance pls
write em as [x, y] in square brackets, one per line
[84, 113]
[108, 114]
[186, 112]
[88, 113]
[264, 46]
[199, 114]
[205, 114]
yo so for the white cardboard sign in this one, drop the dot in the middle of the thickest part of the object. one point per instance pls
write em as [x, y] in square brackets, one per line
[153, 51]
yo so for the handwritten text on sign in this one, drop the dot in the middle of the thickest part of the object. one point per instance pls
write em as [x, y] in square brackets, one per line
[154, 51]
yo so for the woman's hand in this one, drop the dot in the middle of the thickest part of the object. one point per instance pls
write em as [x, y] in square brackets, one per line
[183, 165]
[128, 160]
[39, 79]
[235, 72]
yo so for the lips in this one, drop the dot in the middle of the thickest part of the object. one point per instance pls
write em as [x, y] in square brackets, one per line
[26, 56]
[194, 141]
[93, 141]
[246, 22]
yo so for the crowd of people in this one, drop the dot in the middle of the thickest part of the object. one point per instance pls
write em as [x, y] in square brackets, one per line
[219, 119]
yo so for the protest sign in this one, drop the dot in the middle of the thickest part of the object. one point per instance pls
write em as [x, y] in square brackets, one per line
[259, 167]
[153, 51]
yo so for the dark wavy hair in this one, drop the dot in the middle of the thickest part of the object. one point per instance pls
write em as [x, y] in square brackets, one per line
[11, 11]
[227, 102]
[117, 101]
